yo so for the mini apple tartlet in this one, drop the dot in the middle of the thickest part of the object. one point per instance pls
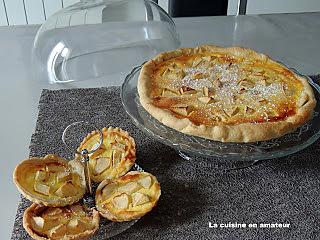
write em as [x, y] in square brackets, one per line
[115, 156]
[51, 181]
[70, 222]
[128, 197]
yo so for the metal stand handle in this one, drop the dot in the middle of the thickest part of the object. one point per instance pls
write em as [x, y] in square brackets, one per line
[84, 153]
[85, 163]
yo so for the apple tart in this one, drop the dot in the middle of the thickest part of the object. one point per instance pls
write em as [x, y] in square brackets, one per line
[128, 197]
[51, 181]
[225, 94]
[69, 222]
[114, 158]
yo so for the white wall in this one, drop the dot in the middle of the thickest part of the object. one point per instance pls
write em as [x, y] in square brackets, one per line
[164, 4]
[19, 12]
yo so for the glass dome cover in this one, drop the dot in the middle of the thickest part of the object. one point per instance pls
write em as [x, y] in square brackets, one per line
[101, 40]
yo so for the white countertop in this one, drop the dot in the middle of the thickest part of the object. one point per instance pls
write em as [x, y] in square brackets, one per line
[290, 38]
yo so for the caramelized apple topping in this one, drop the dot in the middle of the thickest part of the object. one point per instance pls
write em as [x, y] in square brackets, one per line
[42, 188]
[125, 195]
[41, 176]
[58, 222]
[139, 199]
[206, 100]
[129, 188]
[66, 190]
[39, 222]
[102, 164]
[145, 182]
[121, 201]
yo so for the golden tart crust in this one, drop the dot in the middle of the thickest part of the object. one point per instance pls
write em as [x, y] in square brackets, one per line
[128, 197]
[225, 94]
[114, 158]
[68, 223]
[51, 181]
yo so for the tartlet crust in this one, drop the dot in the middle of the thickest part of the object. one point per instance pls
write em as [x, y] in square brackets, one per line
[120, 161]
[243, 132]
[33, 211]
[25, 180]
[105, 204]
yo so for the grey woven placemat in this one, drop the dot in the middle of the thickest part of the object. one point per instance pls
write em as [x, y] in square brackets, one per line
[284, 190]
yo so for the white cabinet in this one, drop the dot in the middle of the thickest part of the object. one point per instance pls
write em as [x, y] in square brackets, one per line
[275, 6]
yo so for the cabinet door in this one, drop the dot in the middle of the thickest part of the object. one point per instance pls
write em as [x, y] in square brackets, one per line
[275, 6]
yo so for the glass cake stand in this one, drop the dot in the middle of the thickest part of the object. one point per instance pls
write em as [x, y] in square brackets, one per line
[226, 156]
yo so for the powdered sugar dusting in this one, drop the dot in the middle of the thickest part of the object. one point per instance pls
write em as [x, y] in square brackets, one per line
[232, 87]
[196, 83]
[217, 72]
[266, 92]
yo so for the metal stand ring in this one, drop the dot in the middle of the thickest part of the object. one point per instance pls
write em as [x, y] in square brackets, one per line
[76, 150]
